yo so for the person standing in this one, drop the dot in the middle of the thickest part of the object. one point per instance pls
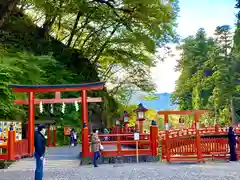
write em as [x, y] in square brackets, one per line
[95, 147]
[40, 148]
[75, 138]
[72, 137]
[11, 127]
[232, 144]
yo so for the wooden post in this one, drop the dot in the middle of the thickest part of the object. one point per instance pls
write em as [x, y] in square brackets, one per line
[137, 154]
[54, 136]
[198, 137]
[49, 136]
[85, 141]
[136, 126]
[119, 145]
[140, 126]
[11, 145]
[168, 155]
[153, 138]
[126, 128]
[31, 117]
[117, 130]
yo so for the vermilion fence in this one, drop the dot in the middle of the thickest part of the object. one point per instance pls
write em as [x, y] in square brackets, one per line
[186, 149]
[13, 150]
[203, 131]
[176, 145]
[194, 144]
[119, 144]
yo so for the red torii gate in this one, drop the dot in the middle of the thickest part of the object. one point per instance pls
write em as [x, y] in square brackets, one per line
[32, 89]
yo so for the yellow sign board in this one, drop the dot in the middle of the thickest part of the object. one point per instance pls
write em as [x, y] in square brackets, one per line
[5, 127]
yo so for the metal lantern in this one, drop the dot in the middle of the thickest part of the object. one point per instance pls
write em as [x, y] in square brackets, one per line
[141, 111]
[125, 117]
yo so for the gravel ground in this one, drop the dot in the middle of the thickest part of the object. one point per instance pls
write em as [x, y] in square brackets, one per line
[144, 171]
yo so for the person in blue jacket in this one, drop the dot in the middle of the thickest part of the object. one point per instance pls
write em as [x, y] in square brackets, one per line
[40, 147]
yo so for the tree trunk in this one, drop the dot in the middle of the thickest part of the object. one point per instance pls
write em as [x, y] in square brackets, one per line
[233, 112]
[6, 8]
[74, 29]
[105, 44]
[47, 25]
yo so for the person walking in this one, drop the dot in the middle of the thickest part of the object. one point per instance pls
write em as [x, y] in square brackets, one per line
[96, 143]
[40, 148]
[72, 137]
[232, 144]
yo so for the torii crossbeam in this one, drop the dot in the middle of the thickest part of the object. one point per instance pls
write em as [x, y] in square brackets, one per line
[32, 89]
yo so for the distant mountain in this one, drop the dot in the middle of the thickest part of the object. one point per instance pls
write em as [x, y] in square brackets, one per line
[161, 103]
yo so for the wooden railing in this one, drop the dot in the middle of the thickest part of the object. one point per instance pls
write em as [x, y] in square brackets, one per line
[173, 133]
[13, 149]
[120, 144]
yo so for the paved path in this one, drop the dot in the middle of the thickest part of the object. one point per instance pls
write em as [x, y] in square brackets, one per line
[144, 171]
[59, 157]
[63, 164]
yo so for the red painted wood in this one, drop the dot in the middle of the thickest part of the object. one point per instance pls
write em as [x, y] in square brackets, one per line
[3, 156]
[49, 136]
[11, 145]
[55, 101]
[54, 137]
[58, 95]
[31, 116]
[92, 88]
[85, 140]
[184, 112]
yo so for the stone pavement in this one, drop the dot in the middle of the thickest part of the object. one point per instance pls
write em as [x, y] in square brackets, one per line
[56, 157]
[63, 164]
[142, 171]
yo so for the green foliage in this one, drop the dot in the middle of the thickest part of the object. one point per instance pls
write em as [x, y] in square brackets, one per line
[20, 68]
[117, 37]
[83, 41]
[208, 74]
[151, 97]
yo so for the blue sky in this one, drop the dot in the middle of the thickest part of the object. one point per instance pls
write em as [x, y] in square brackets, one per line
[194, 14]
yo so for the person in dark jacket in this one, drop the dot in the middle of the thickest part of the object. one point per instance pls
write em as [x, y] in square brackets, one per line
[232, 144]
[40, 147]
[11, 127]
[72, 132]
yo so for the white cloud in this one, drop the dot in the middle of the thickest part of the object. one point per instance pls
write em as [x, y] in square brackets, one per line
[164, 74]
[192, 17]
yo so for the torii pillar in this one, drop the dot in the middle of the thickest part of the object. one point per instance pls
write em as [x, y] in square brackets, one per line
[31, 89]
[85, 141]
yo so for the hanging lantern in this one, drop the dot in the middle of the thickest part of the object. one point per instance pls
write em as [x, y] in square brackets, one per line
[51, 108]
[76, 105]
[63, 107]
[41, 107]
